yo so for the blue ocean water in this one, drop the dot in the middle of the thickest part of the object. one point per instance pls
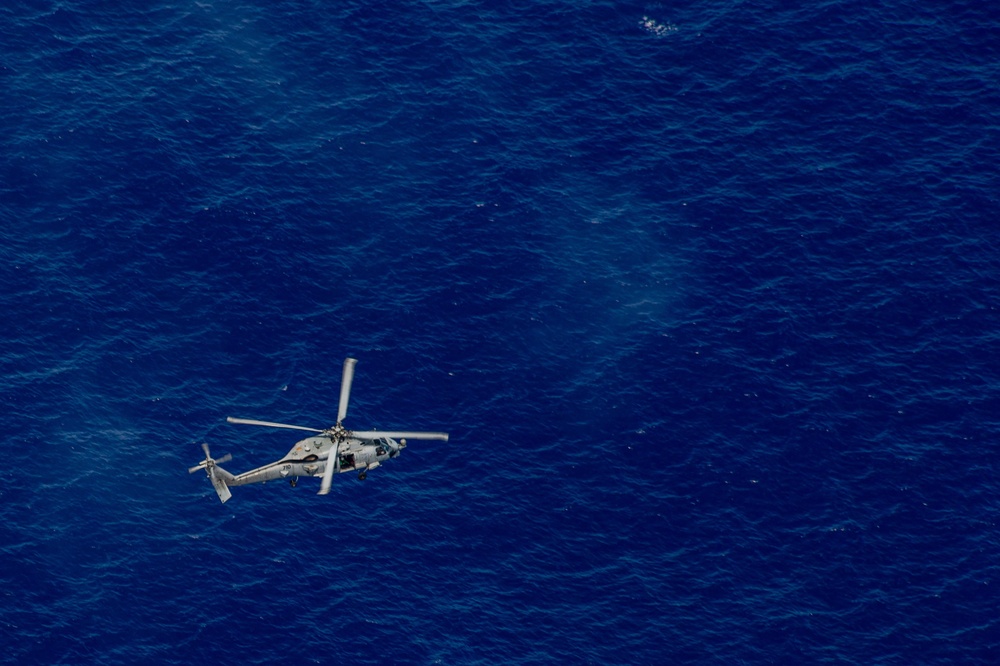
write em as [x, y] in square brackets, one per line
[706, 295]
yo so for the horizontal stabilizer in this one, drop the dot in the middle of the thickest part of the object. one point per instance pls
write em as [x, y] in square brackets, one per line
[220, 486]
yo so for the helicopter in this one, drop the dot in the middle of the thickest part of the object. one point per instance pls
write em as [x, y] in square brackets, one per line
[350, 450]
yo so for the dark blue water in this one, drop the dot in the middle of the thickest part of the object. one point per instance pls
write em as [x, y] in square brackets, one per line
[706, 295]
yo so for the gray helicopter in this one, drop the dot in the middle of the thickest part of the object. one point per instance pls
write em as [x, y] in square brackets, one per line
[350, 450]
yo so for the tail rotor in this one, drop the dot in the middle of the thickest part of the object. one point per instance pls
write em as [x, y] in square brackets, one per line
[208, 464]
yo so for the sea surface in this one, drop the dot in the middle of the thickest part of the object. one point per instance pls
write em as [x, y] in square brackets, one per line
[705, 293]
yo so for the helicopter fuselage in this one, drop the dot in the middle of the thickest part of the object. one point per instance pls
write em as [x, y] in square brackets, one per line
[310, 457]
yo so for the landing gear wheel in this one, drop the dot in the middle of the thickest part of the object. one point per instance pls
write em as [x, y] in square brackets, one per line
[362, 476]
[294, 481]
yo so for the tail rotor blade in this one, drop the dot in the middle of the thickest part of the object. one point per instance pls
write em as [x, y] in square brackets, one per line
[209, 461]
[345, 387]
[331, 468]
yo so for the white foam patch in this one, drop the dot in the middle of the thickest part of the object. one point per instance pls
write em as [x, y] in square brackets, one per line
[656, 28]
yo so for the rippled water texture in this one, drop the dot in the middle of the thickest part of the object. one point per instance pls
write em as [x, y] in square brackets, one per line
[704, 293]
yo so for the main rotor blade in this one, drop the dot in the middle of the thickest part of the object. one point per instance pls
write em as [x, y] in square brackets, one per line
[399, 434]
[345, 387]
[331, 468]
[233, 419]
